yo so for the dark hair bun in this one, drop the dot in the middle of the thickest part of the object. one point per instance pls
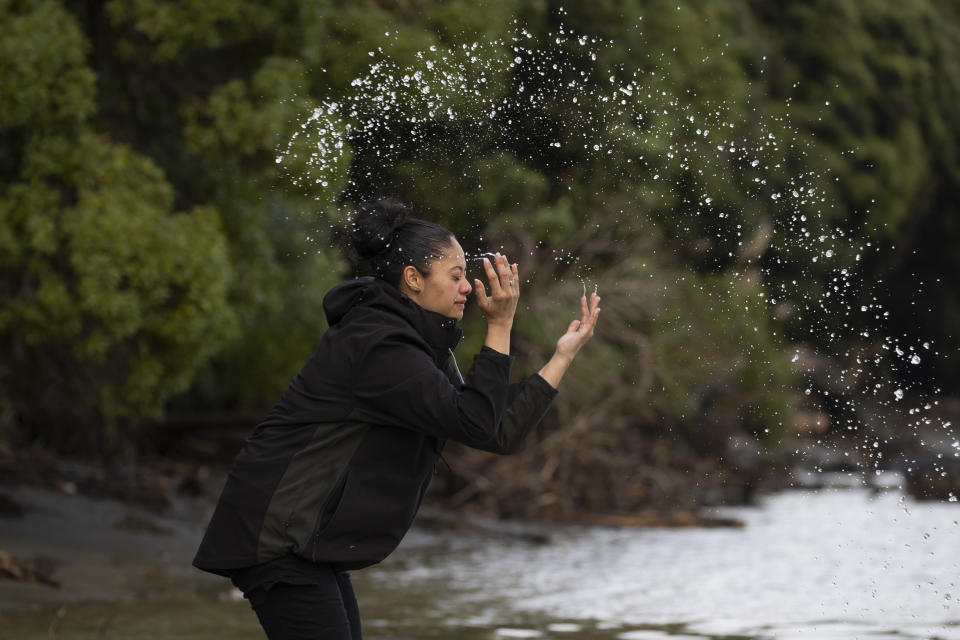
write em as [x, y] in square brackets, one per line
[374, 226]
[388, 238]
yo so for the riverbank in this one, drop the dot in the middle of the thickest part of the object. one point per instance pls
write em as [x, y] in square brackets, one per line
[852, 562]
[462, 494]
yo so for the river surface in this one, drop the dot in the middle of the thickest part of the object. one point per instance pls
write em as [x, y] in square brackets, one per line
[836, 563]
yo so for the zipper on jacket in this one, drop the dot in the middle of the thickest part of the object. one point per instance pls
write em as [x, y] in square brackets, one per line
[337, 493]
[455, 367]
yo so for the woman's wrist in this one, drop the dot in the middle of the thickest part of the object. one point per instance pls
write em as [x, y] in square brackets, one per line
[553, 371]
[498, 337]
[505, 323]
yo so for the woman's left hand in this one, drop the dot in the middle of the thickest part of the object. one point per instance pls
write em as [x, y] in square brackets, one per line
[580, 331]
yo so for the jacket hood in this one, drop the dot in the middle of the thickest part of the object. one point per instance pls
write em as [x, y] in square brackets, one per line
[438, 330]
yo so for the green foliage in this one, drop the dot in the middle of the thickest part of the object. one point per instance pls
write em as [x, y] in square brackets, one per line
[103, 273]
[43, 77]
[111, 300]
[873, 96]
[167, 228]
[866, 87]
[714, 332]
[173, 28]
[281, 255]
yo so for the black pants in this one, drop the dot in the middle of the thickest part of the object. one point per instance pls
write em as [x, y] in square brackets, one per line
[298, 600]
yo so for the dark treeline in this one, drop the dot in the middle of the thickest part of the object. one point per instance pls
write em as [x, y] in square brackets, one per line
[157, 260]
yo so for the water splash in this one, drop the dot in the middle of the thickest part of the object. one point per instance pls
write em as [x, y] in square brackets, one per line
[640, 126]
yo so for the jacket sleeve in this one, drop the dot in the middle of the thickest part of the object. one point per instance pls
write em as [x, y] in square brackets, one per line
[397, 383]
[528, 401]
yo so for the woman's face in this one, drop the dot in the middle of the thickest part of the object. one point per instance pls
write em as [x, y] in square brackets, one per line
[446, 288]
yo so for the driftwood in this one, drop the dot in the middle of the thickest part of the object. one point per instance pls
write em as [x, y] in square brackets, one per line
[209, 436]
[36, 570]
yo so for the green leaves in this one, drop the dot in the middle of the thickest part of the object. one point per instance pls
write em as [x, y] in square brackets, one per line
[43, 76]
[168, 207]
[176, 28]
[106, 266]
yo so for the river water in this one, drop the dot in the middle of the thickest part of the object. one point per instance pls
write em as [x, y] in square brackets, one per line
[837, 563]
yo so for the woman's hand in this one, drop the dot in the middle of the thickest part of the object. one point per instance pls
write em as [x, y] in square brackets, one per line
[577, 335]
[500, 305]
[580, 331]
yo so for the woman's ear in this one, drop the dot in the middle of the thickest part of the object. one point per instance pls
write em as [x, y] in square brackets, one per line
[412, 278]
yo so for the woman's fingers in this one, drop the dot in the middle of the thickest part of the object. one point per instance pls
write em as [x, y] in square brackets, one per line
[482, 300]
[588, 316]
[498, 300]
[503, 276]
[591, 320]
[580, 331]
[496, 275]
[504, 272]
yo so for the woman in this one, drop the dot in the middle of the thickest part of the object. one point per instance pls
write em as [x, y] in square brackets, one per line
[333, 478]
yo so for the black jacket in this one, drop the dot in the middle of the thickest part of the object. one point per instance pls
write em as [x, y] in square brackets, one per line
[337, 470]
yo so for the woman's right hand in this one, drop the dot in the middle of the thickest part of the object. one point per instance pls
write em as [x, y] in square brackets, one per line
[500, 305]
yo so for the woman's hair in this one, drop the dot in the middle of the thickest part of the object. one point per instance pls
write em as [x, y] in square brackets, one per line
[385, 235]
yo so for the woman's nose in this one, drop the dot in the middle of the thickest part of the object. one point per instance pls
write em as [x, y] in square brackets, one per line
[465, 287]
